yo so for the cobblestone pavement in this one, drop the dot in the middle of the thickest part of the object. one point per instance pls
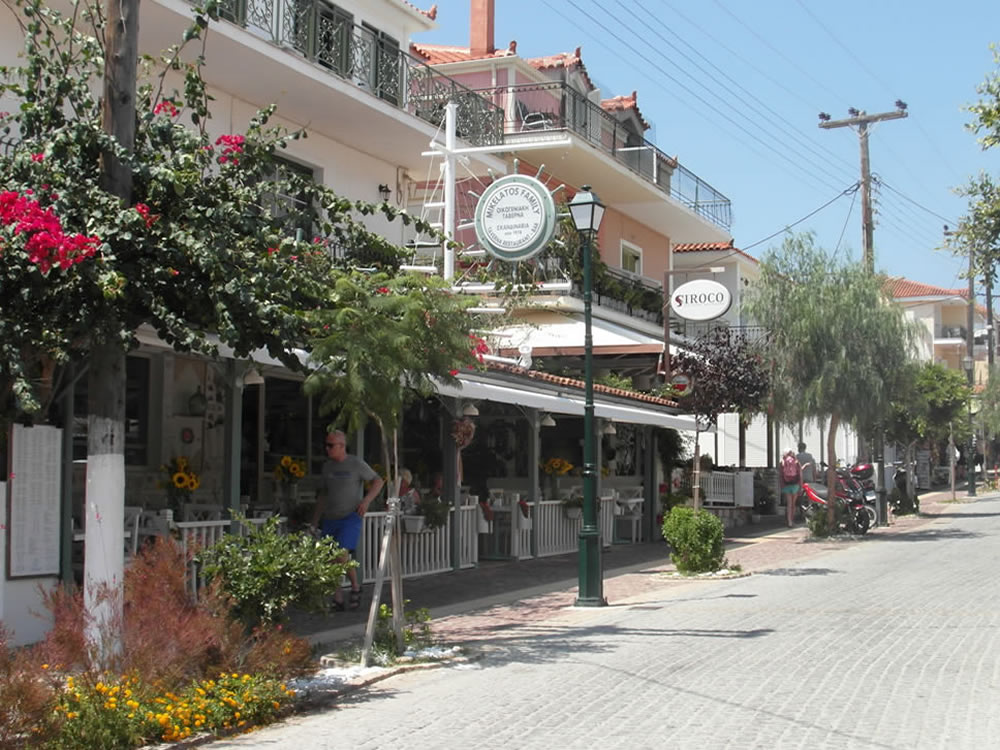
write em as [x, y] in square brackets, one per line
[888, 641]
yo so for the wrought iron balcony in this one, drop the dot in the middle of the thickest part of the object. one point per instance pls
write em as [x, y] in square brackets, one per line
[320, 33]
[537, 108]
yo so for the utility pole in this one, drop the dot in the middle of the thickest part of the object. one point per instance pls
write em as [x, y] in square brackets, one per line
[861, 120]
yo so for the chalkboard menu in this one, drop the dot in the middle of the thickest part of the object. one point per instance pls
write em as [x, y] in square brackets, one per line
[33, 501]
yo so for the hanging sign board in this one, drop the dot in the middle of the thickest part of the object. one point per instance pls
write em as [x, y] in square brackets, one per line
[681, 383]
[701, 299]
[33, 504]
[515, 218]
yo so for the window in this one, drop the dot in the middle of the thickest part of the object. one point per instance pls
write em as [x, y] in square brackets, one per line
[136, 413]
[631, 258]
[380, 66]
[332, 39]
[294, 210]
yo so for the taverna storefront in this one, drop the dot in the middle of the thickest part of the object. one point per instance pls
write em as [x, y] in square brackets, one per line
[232, 422]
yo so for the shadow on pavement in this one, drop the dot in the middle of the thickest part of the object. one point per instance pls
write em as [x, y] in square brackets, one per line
[929, 535]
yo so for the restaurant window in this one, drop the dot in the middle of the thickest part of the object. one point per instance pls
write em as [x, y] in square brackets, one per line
[293, 209]
[136, 413]
[631, 258]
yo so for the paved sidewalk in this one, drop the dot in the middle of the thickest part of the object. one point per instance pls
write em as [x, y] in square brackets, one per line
[473, 605]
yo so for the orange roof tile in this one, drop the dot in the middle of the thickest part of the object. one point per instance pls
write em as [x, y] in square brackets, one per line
[431, 14]
[546, 377]
[622, 103]
[703, 247]
[897, 287]
[561, 60]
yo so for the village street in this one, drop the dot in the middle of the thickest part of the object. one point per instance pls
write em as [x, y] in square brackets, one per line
[889, 642]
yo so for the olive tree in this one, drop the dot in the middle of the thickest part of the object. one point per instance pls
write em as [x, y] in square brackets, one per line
[837, 343]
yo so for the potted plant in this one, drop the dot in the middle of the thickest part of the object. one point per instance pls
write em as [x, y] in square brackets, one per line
[573, 507]
[434, 513]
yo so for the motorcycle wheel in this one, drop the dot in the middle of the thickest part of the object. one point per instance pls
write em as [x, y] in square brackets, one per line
[861, 522]
[872, 518]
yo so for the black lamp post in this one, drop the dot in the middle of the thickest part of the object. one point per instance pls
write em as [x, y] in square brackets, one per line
[587, 212]
[970, 457]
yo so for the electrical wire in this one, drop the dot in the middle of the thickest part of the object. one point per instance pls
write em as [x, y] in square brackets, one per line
[847, 218]
[809, 215]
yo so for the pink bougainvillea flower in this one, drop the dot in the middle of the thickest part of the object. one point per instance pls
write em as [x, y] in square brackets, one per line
[166, 106]
[144, 211]
[38, 157]
[383, 290]
[231, 146]
[45, 242]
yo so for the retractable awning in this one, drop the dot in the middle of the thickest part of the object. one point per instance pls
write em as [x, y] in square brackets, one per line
[558, 401]
[549, 333]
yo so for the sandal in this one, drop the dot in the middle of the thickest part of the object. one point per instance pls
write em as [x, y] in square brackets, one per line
[355, 599]
[338, 606]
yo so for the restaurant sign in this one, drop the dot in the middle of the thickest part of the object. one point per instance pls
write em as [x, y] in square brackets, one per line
[515, 218]
[701, 299]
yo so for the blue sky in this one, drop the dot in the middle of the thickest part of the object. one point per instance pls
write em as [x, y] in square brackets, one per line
[734, 89]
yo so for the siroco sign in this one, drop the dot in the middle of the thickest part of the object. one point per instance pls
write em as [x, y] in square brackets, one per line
[515, 218]
[701, 299]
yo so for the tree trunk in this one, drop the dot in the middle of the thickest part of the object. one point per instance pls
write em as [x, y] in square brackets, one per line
[104, 543]
[104, 536]
[831, 470]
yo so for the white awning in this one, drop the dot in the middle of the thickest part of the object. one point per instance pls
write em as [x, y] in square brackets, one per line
[555, 403]
[551, 333]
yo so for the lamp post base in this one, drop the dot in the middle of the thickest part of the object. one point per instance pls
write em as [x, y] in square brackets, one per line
[591, 570]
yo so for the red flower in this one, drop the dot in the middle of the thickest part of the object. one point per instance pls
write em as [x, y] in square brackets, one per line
[166, 106]
[453, 373]
[46, 244]
[383, 290]
[37, 157]
[272, 250]
[231, 146]
[143, 210]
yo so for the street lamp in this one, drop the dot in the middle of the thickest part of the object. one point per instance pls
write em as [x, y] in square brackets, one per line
[587, 212]
[968, 363]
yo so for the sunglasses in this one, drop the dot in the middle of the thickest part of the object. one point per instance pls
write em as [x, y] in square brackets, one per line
[334, 445]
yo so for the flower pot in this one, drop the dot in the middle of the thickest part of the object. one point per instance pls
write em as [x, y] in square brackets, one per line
[413, 524]
[483, 526]
[573, 513]
[523, 523]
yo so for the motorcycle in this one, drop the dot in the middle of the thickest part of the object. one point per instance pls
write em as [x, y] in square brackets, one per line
[853, 511]
[864, 476]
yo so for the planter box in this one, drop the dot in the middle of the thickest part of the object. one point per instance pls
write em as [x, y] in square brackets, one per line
[413, 524]
[483, 526]
[572, 513]
[522, 522]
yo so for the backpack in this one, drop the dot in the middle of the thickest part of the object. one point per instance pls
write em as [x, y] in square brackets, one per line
[789, 469]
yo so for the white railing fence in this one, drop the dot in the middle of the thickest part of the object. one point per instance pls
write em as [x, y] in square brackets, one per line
[194, 536]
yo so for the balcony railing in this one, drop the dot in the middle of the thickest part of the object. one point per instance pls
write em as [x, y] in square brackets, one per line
[320, 33]
[536, 108]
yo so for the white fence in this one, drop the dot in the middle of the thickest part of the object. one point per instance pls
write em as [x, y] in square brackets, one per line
[728, 488]
[198, 535]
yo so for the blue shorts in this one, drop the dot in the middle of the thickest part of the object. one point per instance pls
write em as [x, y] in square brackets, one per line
[790, 489]
[345, 531]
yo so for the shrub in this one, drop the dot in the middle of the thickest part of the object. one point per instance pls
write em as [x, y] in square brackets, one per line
[434, 511]
[26, 698]
[266, 571]
[416, 631]
[695, 539]
[818, 524]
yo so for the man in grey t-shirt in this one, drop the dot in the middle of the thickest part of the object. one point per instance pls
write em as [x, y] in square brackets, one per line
[338, 513]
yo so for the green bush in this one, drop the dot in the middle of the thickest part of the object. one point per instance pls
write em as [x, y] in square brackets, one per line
[416, 631]
[434, 511]
[695, 539]
[267, 571]
[818, 524]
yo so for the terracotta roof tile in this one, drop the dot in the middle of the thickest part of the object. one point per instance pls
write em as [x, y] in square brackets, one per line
[897, 287]
[623, 103]
[704, 247]
[546, 377]
[561, 60]
[431, 14]
[439, 54]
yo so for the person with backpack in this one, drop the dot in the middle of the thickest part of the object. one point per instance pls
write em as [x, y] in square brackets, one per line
[791, 483]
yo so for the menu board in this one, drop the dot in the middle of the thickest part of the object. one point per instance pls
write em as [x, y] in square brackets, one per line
[34, 501]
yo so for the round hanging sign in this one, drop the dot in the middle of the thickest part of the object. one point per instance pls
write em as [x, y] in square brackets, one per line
[515, 218]
[701, 299]
[681, 383]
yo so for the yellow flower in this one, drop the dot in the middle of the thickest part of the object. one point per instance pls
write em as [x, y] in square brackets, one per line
[286, 461]
[193, 482]
[180, 480]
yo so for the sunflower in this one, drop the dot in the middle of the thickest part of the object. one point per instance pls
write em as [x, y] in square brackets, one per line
[180, 480]
[286, 461]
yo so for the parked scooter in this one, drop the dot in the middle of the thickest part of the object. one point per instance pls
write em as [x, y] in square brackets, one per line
[853, 512]
[864, 475]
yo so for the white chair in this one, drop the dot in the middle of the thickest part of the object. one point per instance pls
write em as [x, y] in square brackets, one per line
[133, 517]
[200, 512]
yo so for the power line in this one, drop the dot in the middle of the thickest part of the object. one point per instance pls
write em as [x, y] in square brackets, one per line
[886, 185]
[852, 189]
